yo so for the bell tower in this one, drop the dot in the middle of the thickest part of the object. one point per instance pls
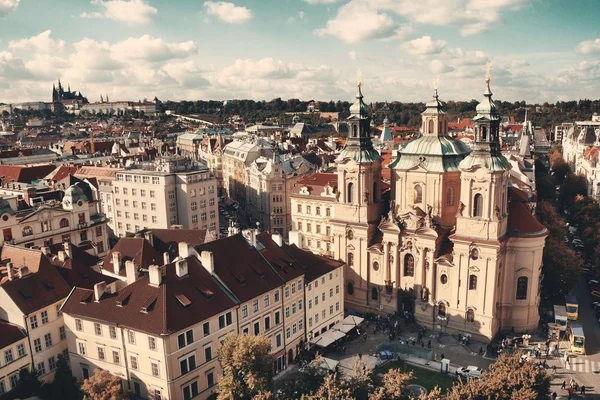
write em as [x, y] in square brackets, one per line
[482, 212]
[434, 119]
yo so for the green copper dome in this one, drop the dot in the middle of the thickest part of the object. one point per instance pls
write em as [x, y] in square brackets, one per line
[486, 109]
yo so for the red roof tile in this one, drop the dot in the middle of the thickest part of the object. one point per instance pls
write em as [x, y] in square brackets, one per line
[24, 174]
[10, 334]
[314, 265]
[316, 182]
[522, 223]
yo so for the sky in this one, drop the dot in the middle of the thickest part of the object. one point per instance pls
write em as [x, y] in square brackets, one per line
[539, 50]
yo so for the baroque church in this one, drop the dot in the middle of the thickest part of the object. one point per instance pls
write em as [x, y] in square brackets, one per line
[456, 244]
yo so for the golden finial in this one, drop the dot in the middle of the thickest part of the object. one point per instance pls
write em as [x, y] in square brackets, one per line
[488, 72]
[359, 78]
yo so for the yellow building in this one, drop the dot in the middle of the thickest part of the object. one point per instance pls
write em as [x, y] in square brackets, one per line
[15, 355]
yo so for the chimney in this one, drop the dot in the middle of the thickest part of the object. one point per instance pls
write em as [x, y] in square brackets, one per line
[296, 238]
[68, 250]
[277, 238]
[9, 272]
[149, 237]
[130, 272]
[99, 289]
[23, 271]
[184, 250]
[208, 261]
[62, 256]
[155, 275]
[166, 258]
[45, 250]
[116, 260]
[182, 268]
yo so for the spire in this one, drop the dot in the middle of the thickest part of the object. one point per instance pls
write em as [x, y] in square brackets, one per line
[69, 88]
[107, 98]
[386, 133]
[101, 99]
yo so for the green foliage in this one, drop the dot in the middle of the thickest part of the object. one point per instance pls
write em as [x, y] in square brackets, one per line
[573, 186]
[64, 385]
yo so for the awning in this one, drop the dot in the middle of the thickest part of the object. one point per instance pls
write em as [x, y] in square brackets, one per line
[327, 338]
[351, 321]
[328, 363]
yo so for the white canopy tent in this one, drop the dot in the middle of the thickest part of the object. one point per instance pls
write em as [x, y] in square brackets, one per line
[328, 363]
[350, 322]
[327, 338]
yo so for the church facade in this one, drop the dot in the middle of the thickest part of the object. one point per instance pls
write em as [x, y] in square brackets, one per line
[457, 247]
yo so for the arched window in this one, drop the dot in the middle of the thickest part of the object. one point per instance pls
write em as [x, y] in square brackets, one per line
[350, 259]
[522, 288]
[483, 133]
[472, 282]
[64, 223]
[27, 231]
[478, 205]
[470, 315]
[355, 131]
[375, 192]
[350, 288]
[374, 293]
[450, 193]
[418, 194]
[349, 192]
[441, 310]
[409, 265]
[375, 266]
[430, 126]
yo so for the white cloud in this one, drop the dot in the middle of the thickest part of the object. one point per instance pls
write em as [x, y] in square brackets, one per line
[438, 67]
[128, 11]
[357, 21]
[152, 49]
[228, 12]
[321, 1]
[591, 46]
[352, 55]
[7, 6]
[291, 20]
[38, 43]
[425, 45]
[301, 14]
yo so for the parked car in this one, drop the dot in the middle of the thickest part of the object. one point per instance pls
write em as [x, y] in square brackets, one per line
[469, 372]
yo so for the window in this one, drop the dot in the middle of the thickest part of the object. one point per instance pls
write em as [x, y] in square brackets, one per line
[134, 362]
[187, 364]
[323, 296]
[472, 282]
[131, 337]
[337, 306]
[134, 193]
[143, 193]
[2, 387]
[14, 380]
[328, 212]
[154, 219]
[37, 345]
[8, 356]
[244, 311]
[430, 126]
[478, 205]
[337, 289]
[21, 349]
[78, 325]
[444, 279]
[151, 342]
[126, 203]
[208, 353]
[350, 259]
[190, 391]
[113, 332]
[33, 321]
[350, 288]
[125, 191]
[116, 357]
[522, 283]
[206, 327]
[316, 300]
[44, 316]
[450, 196]
[287, 312]
[267, 323]
[58, 312]
[62, 333]
[441, 310]
[41, 368]
[299, 304]
[418, 196]
[350, 189]
[374, 294]
[277, 318]
[101, 355]
[276, 297]
[48, 339]
[152, 194]
[202, 203]
[409, 265]
[299, 284]
[470, 315]
[185, 339]
[98, 329]
[28, 231]
[255, 306]
[288, 333]
[266, 300]
[194, 206]
[155, 370]
[210, 379]
[81, 348]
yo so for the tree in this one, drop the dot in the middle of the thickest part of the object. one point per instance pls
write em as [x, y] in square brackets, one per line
[360, 384]
[64, 385]
[308, 381]
[561, 267]
[28, 385]
[247, 366]
[331, 389]
[394, 385]
[573, 186]
[102, 386]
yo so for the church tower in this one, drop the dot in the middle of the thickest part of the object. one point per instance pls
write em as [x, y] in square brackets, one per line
[482, 212]
[434, 120]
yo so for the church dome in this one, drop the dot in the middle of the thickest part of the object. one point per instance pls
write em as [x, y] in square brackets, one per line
[5, 207]
[74, 193]
[486, 108]
[359, 107]
[433, 153]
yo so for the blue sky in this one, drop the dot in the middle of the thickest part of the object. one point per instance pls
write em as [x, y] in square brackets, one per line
[540, 50]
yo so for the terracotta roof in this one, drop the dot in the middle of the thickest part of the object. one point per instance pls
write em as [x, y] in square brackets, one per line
[62, 172]
[314, 265]
[241, 267]
[24, 174]
[77, 270]
[156, 309]
[139, 250]
[316, 182]
[285, 266]
[519, 195]
[167, 240]
[20, 256]
[10, 334]
[522, 223]
[386, 159]
[514, 128]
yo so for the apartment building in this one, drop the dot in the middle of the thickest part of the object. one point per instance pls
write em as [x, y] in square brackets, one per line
[75, 219]
[14, 355]
[188, 145]
[172, 191]
[211, 151]
[160, 334]
[312, 208]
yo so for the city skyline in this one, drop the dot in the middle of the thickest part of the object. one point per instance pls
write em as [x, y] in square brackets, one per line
[134, 49]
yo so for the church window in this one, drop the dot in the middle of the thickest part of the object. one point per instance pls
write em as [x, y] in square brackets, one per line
[444, 279]
[374, 293]
[441, 310]
[522, 283]
[418, 194]
[478, 205]
[350, 288]
[27, 231]
[450, 194]
[430, 127]
[350, 235]
[375, 266]
[409, 265]
[349, 192]
[350, 259]
[355, 131]
[474, 254]
[472, 282]
[483, 133]
[64, 223]
[470, 315]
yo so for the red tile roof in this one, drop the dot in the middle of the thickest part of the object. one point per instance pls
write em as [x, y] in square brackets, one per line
[316, 182]
[10, 334]
[285, 266]
[77, 270]
[314, 265]
[167, 240]
[62, 172]
[522, 223]
[24, 174]
[386, 156]
[138, 250]
[163, 312]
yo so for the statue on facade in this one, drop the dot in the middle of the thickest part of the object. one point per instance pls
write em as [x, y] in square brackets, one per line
[429, 220]
[461, 208]
[497, 211]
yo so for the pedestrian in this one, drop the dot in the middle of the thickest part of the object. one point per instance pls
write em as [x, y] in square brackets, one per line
[572, 382]
[360, 358]
[443, 356]
[582, 389]
[429, 344]
[563, 387]
[481, 350]
[554, 395]
[553, 369]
